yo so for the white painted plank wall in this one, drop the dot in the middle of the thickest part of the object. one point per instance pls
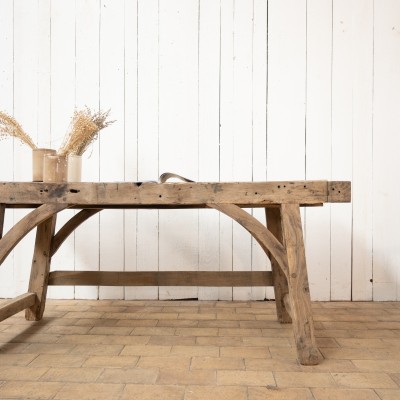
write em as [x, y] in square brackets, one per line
[214, 90]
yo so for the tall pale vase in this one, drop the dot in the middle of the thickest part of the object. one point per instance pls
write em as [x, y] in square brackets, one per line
[74, 168]
[55, 168]
[38, 162]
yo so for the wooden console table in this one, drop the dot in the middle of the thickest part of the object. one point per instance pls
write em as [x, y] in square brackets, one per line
[281, 238]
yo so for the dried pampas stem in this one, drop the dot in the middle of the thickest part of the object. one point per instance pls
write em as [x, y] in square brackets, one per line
[10, 127]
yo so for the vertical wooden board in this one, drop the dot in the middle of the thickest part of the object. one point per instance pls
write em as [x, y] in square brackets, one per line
[318, 143]
[87, 94]
[25, 112]
[7, 288]
[286, 89]
[130, 133]
[178, 134]
[62, 108]
[43, 131]
[242, 127]
[386, 127]
[342, 132]
[147, 140]
[362, 45]
[112, 150]
[226, 135]
[209, 63]
[259, 261]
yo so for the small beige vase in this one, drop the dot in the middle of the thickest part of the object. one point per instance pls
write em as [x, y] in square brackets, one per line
[74, 168]
[54, 168]
[38, 161]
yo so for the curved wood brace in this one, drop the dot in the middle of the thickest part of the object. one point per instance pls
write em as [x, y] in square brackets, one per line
[25, 225]
[264, 237]
[63, 233]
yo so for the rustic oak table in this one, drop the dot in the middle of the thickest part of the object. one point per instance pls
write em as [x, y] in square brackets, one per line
[281, 238]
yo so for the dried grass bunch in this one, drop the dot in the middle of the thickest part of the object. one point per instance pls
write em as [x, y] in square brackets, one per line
[84, 129]
[10, 127]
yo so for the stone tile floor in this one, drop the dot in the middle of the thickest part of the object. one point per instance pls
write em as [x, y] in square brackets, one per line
[190, 350]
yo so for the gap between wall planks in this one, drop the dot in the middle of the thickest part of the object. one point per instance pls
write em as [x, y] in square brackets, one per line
[301, 68]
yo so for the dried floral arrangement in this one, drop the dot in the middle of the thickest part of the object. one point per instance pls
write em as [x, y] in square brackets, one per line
[10, 127]
[84, 129]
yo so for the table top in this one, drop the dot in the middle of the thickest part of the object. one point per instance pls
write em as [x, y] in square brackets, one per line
[173, 195]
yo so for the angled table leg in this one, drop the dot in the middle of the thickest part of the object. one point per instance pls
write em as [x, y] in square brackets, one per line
[281, 289]
[41, 267]
[2, 212]
[298, 298]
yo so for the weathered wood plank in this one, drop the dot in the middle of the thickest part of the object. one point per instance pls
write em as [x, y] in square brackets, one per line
[132, 194]
[298, 301]
[69, 227]
[162, 278]
[14, 306]
[40, 268]
[25, 225]
[2, 212]
[266, 239]
[281, 288]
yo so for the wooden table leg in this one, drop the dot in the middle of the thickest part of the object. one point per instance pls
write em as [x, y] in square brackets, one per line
[279, 279]
[2, 212]
[298, 298]
[41, 268]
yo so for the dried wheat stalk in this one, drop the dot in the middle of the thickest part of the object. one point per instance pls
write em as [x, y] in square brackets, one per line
[10, 127]
[85, 127]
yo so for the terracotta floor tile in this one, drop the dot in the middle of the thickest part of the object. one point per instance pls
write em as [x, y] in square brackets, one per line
[178, 363]
[90, 391]
[182, 377]
[30, 390]
[219, 341]
[245, 352]
[146, 350]
[364, 380]
[304, 379]
[71, 374]
[196, 317]
[239, 332]
[48, 348]
[266, 341]
[274, 393]
[137, 322]
[196, 332]
[218, 324]
[389, 366]
[217, 363]
[111, 361]
[388, 394]
[10, 373]
[110, 330]
[178, 323]
[97, 349]
[104, 339]
[245, 378]
[16, 359]
[129, 375]
[172, 340]
[215, 393]
[55, 360]
[272, 364]
[344, 394]
[153, 331]
[206, 351]
[152, 392]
